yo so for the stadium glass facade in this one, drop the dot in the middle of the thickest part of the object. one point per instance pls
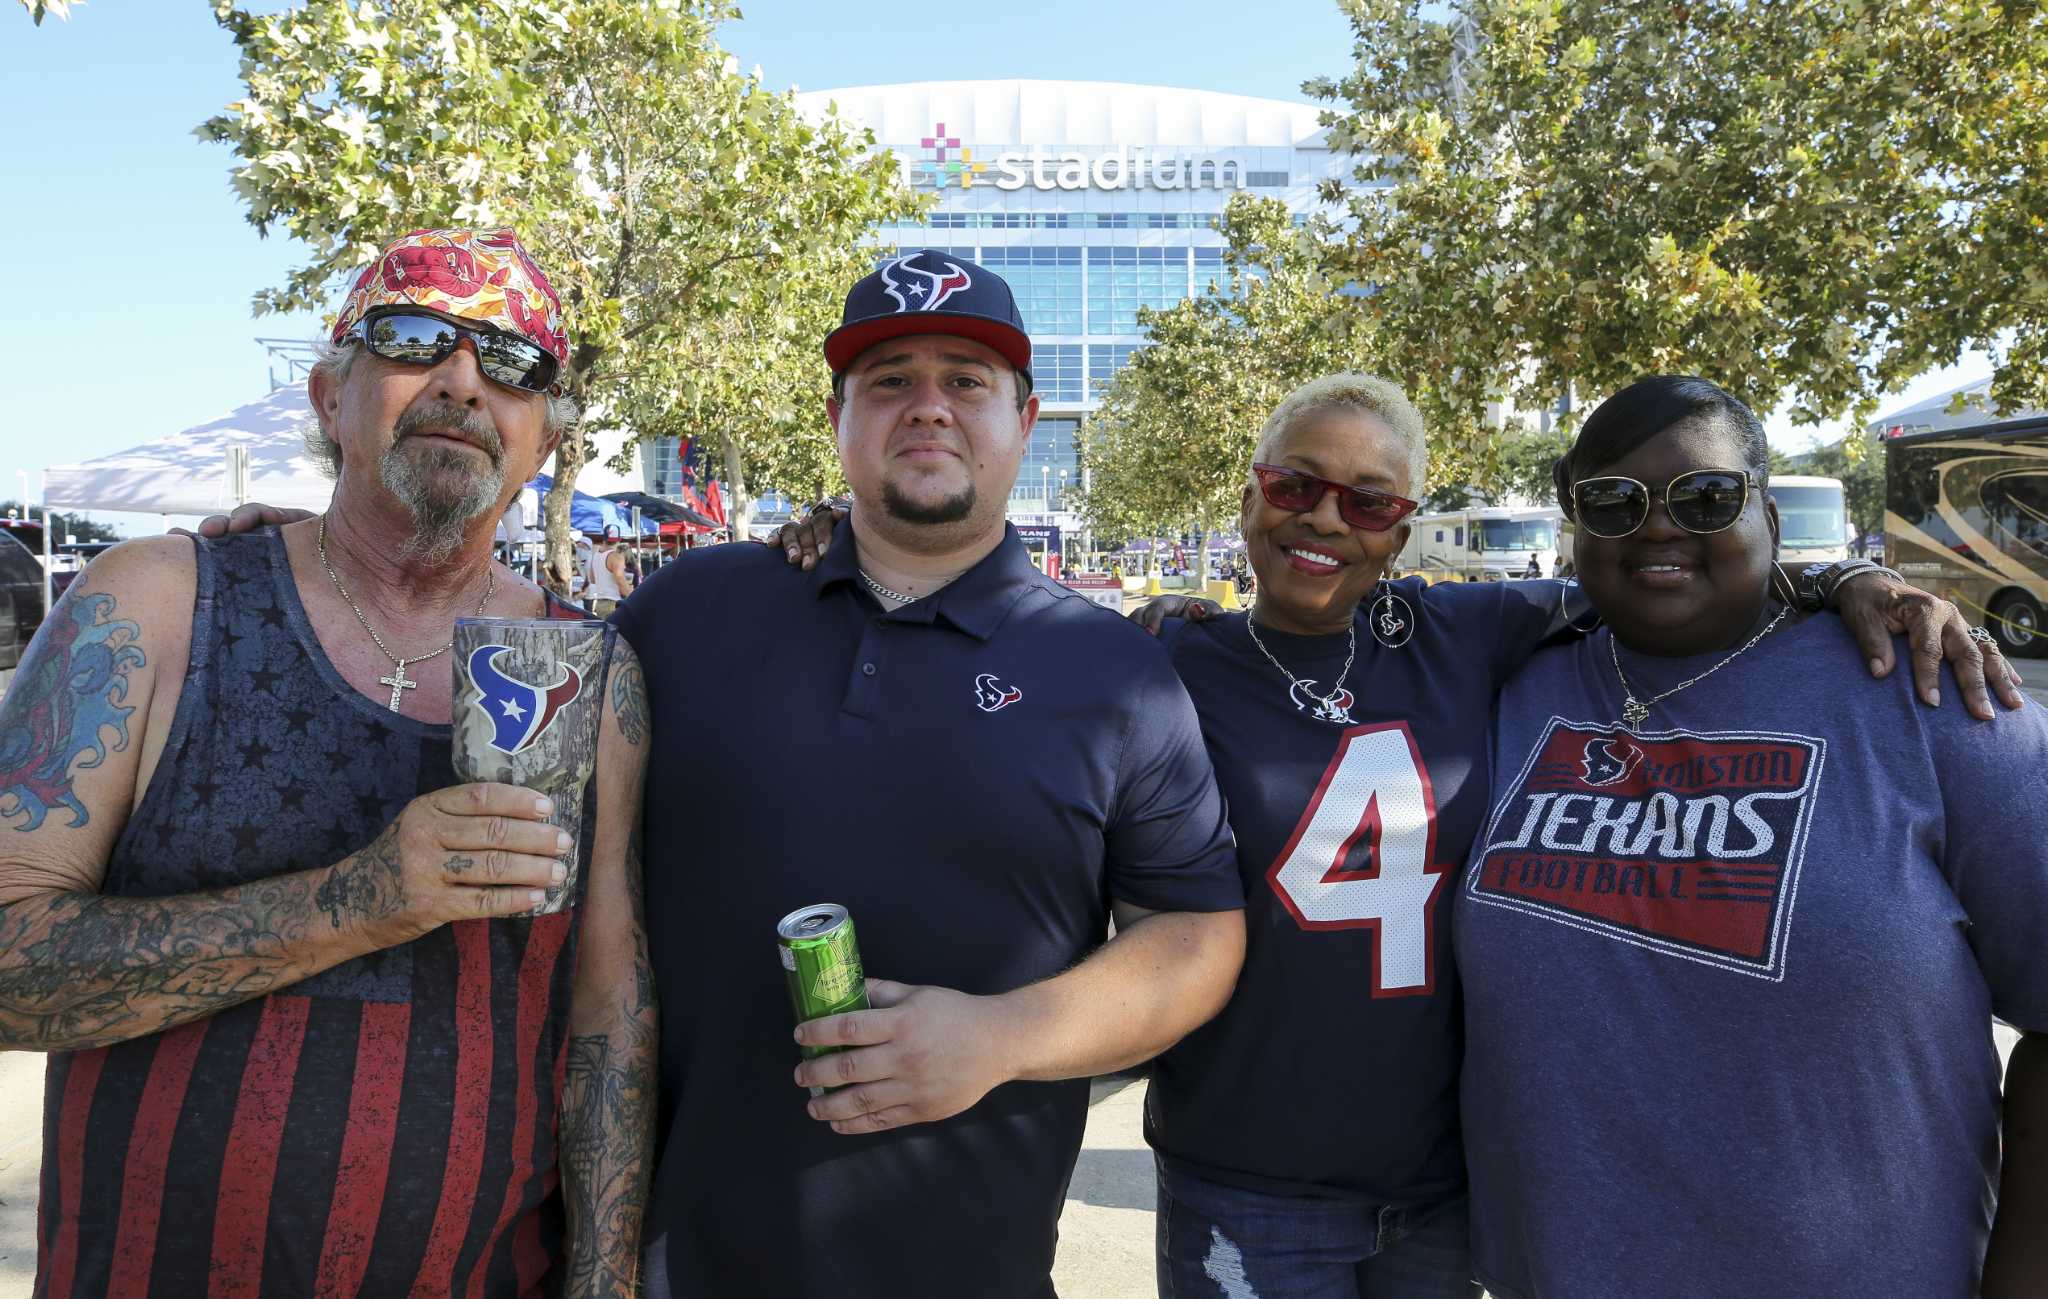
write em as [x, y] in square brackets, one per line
[1093, 200]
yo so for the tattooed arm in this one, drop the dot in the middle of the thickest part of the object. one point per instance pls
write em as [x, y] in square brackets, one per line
[607, 1119]
[81, 727]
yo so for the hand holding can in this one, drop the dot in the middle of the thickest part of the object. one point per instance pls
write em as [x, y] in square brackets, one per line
[821, 962]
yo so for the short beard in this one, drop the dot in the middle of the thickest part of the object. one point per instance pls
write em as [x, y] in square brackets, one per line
[951, 510]
[419, 477]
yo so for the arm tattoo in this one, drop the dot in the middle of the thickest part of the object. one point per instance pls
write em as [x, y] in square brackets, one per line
[629, 701]
[68, 690]
[608, 1128]
[80, 970]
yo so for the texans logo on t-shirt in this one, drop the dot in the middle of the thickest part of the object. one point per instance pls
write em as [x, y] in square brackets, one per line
[1688, 844]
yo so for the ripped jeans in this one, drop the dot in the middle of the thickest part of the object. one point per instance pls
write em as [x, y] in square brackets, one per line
[1224, 1242]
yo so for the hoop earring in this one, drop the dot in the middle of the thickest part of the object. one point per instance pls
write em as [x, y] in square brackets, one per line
[1392, 621]
[1778, 579]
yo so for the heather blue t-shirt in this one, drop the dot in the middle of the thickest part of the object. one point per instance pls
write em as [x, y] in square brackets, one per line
[1729, 983]
[1333, 1071]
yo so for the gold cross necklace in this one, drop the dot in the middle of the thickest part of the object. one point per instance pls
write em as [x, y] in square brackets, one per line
[397, 680]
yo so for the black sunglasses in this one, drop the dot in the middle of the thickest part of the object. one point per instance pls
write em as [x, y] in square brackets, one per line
[1298, 492]
[1701, 501]
[417, 338]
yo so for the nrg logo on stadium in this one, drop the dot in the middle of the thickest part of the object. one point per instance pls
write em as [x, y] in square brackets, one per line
[1127, 167]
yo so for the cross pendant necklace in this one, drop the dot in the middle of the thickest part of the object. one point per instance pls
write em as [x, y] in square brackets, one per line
[397, 682]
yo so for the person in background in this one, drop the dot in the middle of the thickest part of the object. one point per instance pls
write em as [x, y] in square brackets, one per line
[606, 578]
[1734, 936]
[1535, 568]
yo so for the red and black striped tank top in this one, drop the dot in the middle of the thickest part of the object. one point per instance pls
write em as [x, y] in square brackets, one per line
[384, 1128]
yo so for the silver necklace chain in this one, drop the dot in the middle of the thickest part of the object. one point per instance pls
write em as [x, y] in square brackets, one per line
[884, 591]
[1329, 702]
[1635, 711]
[400, 684]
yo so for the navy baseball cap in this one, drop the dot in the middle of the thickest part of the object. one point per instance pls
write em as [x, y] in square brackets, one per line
[930, 292]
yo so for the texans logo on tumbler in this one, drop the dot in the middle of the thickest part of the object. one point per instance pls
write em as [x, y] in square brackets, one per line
[1685, 843]
[928, 290]
[992, 695]
[520, 713]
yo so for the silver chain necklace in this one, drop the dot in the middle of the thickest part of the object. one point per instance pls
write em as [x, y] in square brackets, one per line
[397, 680]
[884, 591]
[1635, 711]
[1329, 702]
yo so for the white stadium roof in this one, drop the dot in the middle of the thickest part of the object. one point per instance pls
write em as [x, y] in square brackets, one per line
[1022, 113]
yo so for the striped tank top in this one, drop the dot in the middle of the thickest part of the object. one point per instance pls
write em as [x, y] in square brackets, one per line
[386, 1127]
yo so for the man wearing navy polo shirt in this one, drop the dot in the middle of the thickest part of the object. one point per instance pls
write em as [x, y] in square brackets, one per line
[1005, 766]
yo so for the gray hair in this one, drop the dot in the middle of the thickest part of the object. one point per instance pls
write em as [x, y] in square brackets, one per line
[332, 363]
[1364, 393]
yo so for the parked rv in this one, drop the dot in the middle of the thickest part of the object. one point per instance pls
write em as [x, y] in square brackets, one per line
[1492, 544]
[1966, 517]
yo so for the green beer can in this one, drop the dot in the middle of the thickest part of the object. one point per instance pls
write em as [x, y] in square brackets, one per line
[822, 964]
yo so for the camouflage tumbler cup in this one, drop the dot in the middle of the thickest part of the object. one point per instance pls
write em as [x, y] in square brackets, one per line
[528, 699]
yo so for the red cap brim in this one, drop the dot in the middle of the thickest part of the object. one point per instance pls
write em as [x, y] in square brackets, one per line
[844, 344]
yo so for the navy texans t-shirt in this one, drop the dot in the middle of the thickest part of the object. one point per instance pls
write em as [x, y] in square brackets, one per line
[1334, 1069]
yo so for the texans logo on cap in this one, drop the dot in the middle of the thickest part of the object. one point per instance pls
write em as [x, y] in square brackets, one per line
[920, 289]
[930, 292]
[520, 714]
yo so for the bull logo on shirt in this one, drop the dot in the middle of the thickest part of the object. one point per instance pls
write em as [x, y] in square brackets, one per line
[993, 695]
[520, 713]
[1608, 762]
[1335, 708]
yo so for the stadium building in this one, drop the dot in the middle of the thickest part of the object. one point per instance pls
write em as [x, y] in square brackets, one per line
[1092, 199]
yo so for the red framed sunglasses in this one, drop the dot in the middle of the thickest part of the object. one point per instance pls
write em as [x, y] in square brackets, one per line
[1298, 491]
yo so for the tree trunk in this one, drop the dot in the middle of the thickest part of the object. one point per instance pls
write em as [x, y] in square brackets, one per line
[1202, 539]
[570, 456]
[739, 507]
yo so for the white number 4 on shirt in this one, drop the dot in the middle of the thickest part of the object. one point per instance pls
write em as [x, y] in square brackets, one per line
[1374, 805]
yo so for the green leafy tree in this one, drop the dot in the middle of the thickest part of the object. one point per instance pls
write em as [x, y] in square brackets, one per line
[38, 8]
[1167, 449]
[700, 230]
[62, 525]
[1811, 201]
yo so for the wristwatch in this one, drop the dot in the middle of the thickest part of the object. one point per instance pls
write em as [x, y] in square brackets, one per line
[1811, 598]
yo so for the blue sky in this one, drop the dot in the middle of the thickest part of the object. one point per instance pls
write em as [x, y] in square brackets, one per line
[131, 267]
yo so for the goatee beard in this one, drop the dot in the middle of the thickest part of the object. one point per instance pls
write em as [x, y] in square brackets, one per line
[440, 486]
[951, 510]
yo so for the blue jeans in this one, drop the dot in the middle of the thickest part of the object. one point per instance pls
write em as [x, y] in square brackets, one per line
[1223, 1242]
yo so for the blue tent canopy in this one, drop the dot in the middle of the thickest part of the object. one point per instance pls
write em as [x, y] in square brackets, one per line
[593, 514]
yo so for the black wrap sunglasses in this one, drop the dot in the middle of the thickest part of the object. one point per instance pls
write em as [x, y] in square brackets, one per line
[1298, 492]
[1699, 500]
[418, 338]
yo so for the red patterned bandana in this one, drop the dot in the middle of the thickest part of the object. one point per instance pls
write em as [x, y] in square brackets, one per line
[475, 275]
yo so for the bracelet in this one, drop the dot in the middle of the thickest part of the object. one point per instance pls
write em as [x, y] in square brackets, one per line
[1841, 572]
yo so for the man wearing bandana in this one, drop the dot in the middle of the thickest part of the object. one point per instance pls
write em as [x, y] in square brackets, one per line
[305, 1036]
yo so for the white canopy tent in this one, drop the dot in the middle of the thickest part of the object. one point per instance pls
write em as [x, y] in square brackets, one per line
[188, 472]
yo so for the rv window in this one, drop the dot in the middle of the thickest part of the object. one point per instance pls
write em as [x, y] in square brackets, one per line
[1460, 530]
[1439, 534]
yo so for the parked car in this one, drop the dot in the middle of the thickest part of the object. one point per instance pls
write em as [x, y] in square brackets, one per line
[71, 559]
[21, 598]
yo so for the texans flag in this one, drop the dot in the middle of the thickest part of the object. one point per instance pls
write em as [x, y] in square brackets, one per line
[920, 289]
[520, 714]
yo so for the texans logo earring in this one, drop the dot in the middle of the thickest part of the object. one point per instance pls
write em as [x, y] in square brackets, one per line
[1393, 622]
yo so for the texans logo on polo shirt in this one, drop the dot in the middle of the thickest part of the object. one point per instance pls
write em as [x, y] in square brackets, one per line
[520, 713]
[917, 289]
[992, 695]
[1684, 843]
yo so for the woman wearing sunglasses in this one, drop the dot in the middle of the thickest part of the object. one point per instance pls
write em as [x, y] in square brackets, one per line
[1740, 921]
[1308, 1137]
